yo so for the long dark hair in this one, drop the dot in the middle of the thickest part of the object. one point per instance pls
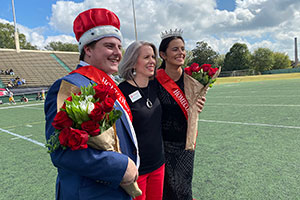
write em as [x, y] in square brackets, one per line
[164, 45]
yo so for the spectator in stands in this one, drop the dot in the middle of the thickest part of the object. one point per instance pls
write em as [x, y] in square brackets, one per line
[10, 85]
[11, 97]
[11, 72]
[19, 82]
[23, 80]
[24, 99]
[1, 71]
[6, 72]
[38, 96]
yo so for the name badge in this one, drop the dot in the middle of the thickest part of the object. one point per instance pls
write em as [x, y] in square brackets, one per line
[135, 96]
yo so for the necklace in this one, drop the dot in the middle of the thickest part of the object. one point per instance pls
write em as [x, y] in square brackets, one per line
[148, 102]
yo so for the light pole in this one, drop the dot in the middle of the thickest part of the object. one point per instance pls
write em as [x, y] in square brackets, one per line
[133, 10]
[17, 43]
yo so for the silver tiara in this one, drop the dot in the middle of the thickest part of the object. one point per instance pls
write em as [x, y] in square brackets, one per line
[170, 33]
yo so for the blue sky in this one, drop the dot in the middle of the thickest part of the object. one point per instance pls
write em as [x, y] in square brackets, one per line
[258, 23]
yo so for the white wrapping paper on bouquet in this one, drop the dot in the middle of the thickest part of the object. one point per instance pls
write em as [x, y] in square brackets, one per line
[194, 90]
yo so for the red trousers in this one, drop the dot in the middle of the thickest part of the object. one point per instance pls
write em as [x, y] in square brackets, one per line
[152, 184]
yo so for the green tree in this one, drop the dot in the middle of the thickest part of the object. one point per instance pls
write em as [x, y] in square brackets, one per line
[237, 58]
[59, 46]
[262, 59]
[203, 54]
[220, 61]
[281, 61]
[7, 38]
[188, 58]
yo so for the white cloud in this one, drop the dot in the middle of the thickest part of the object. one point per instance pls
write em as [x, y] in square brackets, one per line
[61, 38]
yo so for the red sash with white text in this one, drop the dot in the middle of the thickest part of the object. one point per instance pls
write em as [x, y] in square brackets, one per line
[101, 77]
[174, 90]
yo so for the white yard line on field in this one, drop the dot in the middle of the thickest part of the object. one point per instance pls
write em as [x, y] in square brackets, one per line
[23, 137]
[249, 124]
[20, 106]
[261, 105]
[16, 138]
[252, 96]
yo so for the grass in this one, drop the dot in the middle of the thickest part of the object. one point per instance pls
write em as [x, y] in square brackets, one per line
[237, 79]
[26, 170]
[248, 145]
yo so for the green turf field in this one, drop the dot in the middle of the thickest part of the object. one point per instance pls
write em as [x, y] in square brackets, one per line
[248, 145]
[249, 142]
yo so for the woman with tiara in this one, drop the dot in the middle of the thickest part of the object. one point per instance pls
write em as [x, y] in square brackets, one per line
[179, 162]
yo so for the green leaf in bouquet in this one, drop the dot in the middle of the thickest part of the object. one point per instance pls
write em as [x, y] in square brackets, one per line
[211, 81]
[70, 111]
[114, 115]
[75, 98]
[83, 90]
[77, 114]
[84, 115]
[197, 75]
[53, 142]
[205, 79]
[87, 90]
[104, 125]
[92, 90]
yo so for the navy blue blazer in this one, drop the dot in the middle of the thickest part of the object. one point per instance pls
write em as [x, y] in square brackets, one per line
[89, 174]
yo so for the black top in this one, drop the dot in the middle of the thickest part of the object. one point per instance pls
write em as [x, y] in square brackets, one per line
[147, 125]
[174, 123]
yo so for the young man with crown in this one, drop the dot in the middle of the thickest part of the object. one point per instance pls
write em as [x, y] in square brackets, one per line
[90, 173]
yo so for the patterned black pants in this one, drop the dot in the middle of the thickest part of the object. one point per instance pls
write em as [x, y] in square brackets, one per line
[178, 172]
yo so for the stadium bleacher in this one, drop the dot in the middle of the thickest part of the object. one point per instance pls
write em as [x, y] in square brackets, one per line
[38, 68]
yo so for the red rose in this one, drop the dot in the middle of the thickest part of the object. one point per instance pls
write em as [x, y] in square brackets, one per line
[64, 136]
[188, 71]
[62, 120]
[195, 67]
[97, 113]
[69, 98]
[108, 104]
[91, 127]
[64, 106]
[205, 67]
[78, 139]
[212, 71]
[101, 91]
[111, 93]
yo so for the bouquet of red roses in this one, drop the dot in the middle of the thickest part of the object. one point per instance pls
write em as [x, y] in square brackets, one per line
[197, 81]
[84, 115]
[87, 118]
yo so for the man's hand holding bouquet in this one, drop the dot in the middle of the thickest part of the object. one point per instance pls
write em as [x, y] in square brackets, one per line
[87, 118]
[197, 81]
